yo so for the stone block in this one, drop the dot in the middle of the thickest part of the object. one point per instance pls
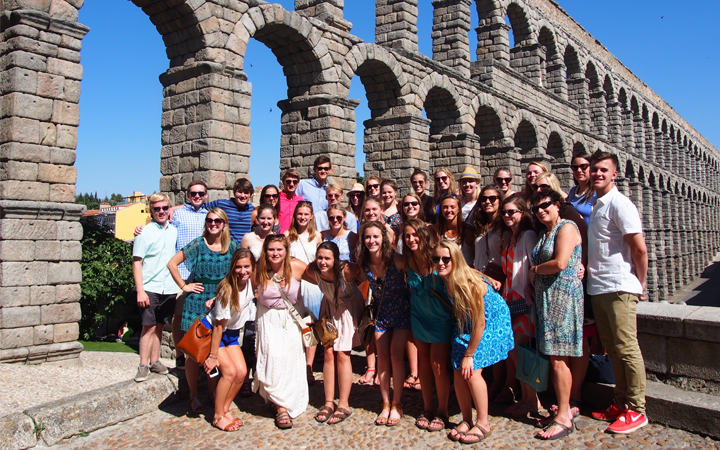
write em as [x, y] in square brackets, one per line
[214, 161]
[42, 295]
[64, 273]
[48, 251]
[72, 91]
[654, 351]
[25, 60]
[18, 170]
[24, 190]
[66, 113]
[67, 69]
[54, 173]
[61, 9]
[14, 296]
[66, 332]
[71, 251]
[101, 408]
[64, 193]
[17, 250]
[60, 313]
[21, 229]
[16, 337]
[677, 408]
[27, 105]
[16, 151]
[23, 273]
[702, 362]
[18, 80]
[43, 335]
[69, 231]
[703, 324]
[66, 293]
[18, 317]
[50, 86]
[662, 319]
[67, 136]
[19, 129]
[17, 431]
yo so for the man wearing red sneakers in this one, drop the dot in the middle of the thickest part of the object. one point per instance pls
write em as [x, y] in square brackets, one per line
[617, 270]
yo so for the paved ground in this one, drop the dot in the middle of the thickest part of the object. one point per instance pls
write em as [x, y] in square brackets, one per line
[173, 428]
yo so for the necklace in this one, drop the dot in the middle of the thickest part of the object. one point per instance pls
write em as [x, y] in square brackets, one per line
[276, 279]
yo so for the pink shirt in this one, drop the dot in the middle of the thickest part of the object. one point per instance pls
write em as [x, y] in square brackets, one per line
[287, 208]
[271, 298]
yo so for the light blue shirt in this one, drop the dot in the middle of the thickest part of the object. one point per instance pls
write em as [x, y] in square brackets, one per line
[156, 245]
[190, 224]
[322, 223]
[312, 192]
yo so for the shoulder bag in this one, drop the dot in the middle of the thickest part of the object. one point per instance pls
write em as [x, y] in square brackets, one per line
[325, 331]
[533, 368]
[305, 324]
[368, 321]
[196, 342]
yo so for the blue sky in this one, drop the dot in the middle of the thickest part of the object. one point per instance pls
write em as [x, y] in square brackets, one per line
[672, 46]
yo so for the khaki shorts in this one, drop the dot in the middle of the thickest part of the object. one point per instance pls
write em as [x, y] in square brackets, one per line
[180, 302]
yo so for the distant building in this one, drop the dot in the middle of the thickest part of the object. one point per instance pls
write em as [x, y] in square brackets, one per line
[122, 218]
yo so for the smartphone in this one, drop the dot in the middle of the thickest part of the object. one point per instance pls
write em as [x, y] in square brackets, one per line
[213, 373]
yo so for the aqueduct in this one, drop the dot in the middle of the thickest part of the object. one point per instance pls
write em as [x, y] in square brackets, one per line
[555, 91]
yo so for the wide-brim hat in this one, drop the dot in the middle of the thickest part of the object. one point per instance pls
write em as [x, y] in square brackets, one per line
[469, 173]
[357, 187]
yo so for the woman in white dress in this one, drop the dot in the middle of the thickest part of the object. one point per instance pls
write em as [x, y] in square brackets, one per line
[266, 218]
[304, 240]
[279, 376]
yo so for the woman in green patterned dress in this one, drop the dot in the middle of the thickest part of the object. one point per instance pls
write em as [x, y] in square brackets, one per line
[208, 260]
[559, 302]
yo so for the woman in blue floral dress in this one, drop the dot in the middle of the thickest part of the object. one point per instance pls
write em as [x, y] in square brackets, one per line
[208, 260]
[483, 336]
[559, 301]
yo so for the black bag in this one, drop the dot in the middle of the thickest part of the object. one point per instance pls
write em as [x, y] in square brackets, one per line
[600, 370]
[518, 308]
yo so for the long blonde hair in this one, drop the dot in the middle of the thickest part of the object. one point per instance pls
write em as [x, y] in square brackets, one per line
[265, 272]
[528, 189]
[228, 289]
[452, 189]
[292, 231]
[224, 234]
[466, 287]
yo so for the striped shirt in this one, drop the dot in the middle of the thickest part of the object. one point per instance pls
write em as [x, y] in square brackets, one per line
[190, 225]
[239, 217]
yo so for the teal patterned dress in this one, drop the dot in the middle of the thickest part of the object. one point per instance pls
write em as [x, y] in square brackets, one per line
[558, 300]
[207, 267]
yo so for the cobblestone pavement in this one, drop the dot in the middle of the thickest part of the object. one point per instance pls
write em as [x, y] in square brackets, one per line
[173, 428]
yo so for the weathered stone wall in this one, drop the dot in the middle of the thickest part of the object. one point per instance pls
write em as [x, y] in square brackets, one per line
[556, 91]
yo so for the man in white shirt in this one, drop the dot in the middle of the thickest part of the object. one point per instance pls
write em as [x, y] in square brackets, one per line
[334, 195]
[617, 272]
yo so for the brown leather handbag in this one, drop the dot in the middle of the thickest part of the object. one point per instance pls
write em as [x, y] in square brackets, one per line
[196, 342]
[325, 332]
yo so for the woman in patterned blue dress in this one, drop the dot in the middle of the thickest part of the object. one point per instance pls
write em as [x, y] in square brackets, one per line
[385, 270]
[208, 260]
[559, 301]
[483, 336]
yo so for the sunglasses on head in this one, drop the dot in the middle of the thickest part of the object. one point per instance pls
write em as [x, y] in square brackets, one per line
[210, 221]
[490, 198]
[543, 205]
[582, 167]
[509, 212]
[501, 180]
[406, 204]
[445, 259]
[161, 208]
[275, 237]
[197, 193]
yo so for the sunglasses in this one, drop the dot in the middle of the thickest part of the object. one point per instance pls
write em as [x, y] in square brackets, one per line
[210, 221]
[420, 182]
[536, 187]
[291, 181]
[406, 204]
[439, 179]
[373, 186]
[197, 193]
[445, 259]
[161, 208]
[500, 180]
[335, 218]
[333, 195]
[275, 237]
[490, 198]
[509, 212]
[323, 169]
[272, 196]
[544, 205]
[582, 167]
[355, 195]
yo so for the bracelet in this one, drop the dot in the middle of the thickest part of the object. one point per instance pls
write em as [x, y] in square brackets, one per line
[183, 286]
[212, 356]
[467, 356]
[534, 269]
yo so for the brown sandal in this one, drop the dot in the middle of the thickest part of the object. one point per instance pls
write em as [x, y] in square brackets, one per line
[424, 416]
[480, 437]
[283, 420]
[340, 414]
[398, 408]
[456, 437]
[231, 426]
[380, 419]
[438, 423]
[326, 412]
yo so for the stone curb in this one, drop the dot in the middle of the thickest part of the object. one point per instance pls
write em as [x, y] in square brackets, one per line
[51, 422]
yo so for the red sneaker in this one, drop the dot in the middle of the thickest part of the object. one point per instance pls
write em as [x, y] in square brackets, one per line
[628, 422]
[610, 414]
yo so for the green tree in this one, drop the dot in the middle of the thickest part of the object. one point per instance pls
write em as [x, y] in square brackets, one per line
[107, 277]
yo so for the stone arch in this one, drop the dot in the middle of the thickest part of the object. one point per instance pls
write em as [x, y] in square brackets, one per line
[579, 147]
[297, 44]
[522, 28]
[597, 103]
[573, 75]
[629, 171]
[614, 113]
[444, 98]
[525, 134]
[556, 144]
[552, 67]
[636, 126]
[489, 127]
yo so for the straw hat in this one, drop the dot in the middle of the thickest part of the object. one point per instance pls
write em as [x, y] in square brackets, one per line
[357, 187]
[470, 173]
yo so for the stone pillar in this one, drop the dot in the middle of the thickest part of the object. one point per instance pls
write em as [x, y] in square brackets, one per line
[598, 112]
[687, 236]
[639, 134]
[319, 125]
[647, 218]
[679, 166]
[694, 259]
[628, 137]
[395, 146]
[396, 24]
[671, 163]
[667, 234]
[205, 129]
[329, 11]
[650, 142]
[493, 41]
[659, 150]
[456, 151]
[505, 156]
[614, 119]
[39, 222]
[451, 24]
[527, 60]
[578, 94]
[676, 240]
[659, 243]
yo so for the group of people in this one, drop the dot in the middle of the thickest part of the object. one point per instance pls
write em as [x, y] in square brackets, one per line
[460, 278]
